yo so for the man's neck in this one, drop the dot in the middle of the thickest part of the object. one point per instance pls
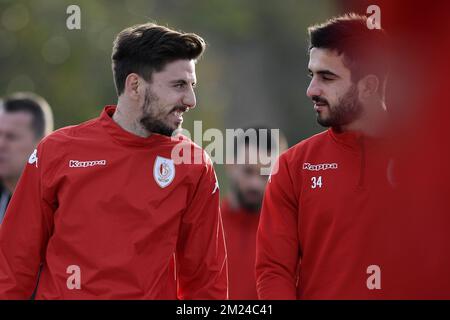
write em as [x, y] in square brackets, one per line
[235, 205]
[128, 120]
[372, 125]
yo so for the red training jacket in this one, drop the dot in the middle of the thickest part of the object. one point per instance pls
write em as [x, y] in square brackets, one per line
[105, 212]
[321, 230]
[240, 228]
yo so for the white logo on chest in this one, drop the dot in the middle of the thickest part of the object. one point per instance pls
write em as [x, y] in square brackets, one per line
[163, 171]
[85, 164]
[318, 167]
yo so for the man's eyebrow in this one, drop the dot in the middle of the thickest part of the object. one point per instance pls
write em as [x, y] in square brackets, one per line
[178, 81]
[182, 81]
[327, 73]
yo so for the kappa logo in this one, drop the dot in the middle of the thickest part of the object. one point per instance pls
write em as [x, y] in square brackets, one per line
[163, 171]
[33, 158]
[318, 167]
[84, 164]
[216, 185]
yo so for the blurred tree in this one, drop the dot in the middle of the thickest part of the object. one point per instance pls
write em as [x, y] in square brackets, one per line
[254, 70]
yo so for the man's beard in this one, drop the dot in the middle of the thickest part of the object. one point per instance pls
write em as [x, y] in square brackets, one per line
[151, 119]
[347, 110]
[244, 203]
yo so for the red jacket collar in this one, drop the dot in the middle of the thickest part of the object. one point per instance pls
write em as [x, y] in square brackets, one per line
[350, 139]
[354, 139]
[124, 137]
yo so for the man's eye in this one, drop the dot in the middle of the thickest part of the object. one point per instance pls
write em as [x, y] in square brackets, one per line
[327, 79]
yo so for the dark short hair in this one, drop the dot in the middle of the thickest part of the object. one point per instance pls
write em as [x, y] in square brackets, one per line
[366, 51]
[42, 117]
[145, 48]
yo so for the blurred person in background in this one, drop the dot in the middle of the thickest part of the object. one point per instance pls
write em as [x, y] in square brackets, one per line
[25, 118]
[241, 206]
[104, 207]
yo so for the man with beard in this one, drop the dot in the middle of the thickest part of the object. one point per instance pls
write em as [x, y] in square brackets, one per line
[241, 207]
[320, 231]
[103, 206]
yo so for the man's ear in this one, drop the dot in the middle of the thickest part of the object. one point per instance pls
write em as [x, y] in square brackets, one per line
[132, 83]
[368, 86]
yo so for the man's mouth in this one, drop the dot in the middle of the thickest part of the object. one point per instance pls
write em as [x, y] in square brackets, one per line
[319, 104]
[178, 113]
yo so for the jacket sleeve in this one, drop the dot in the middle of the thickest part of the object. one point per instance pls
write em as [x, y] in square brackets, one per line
[24, 233]
[277, 248]
[201, 254]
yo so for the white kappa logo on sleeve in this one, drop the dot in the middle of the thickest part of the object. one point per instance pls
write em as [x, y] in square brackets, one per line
[216, 185]
[163, 171]
[33, 158]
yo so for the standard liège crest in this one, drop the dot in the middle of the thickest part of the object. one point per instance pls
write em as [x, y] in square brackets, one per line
[163, 171]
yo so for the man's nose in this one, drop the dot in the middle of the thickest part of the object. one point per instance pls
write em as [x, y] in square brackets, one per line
[189, 99]
[313, 89]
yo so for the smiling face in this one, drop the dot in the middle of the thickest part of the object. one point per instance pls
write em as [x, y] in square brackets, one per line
[169, 94]
[335, 97]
